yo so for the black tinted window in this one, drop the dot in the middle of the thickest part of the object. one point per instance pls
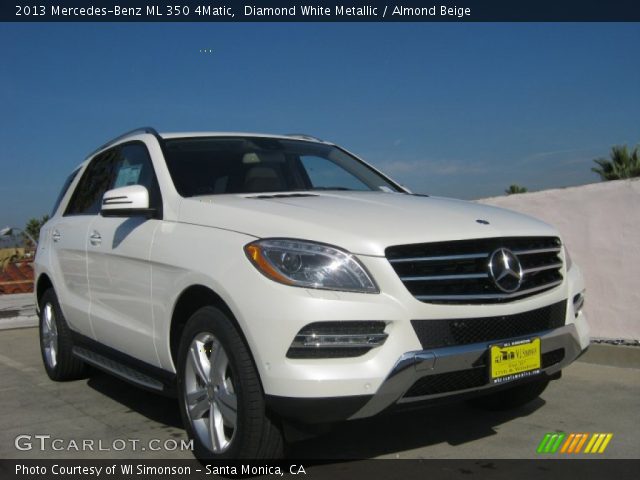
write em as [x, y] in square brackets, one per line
[62, 193]
[218, 165]
[125, 165]
[96, 180]
[134, 167]
[326, 175]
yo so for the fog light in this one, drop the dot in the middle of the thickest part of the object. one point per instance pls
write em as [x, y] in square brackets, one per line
[578, 303]
[337, 339]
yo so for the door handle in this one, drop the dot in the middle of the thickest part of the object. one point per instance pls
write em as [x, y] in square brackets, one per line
[95, 238]
[55, 235]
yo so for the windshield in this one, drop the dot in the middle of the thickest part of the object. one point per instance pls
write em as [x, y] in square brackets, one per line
[219, 165]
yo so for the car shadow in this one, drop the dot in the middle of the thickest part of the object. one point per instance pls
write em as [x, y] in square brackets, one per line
[125, 228]
[155, 407]
[385, 434]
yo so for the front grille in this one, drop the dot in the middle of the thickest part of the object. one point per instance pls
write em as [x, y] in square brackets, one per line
[463, 331]
[457, 272]
[464, 379]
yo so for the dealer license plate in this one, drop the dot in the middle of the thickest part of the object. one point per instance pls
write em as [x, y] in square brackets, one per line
[514, 360]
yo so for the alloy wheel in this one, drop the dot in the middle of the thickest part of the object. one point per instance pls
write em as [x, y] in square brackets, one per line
[50, 335]
[210, 396]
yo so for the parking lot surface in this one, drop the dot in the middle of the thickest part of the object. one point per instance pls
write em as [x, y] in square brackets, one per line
[121, 421]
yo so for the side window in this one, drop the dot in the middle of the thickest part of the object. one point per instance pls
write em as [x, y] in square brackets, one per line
[134, 167]
[96, 180]
[62, 193]
[124, 165]
[324, 174]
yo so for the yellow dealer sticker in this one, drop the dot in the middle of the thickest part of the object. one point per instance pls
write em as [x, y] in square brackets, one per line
[515, 360]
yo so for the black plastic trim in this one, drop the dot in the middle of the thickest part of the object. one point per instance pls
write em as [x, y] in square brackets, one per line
[129, 212]
[168, 379]
[438, 333]
[316, 410]
[455, 397]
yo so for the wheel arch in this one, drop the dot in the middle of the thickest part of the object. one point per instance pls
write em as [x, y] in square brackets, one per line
[43, 284]
[189, 301]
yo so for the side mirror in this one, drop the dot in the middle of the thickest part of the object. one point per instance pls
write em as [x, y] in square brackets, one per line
[129, 201]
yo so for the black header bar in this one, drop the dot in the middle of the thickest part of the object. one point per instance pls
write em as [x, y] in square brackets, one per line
[547, 469]
[321, 11]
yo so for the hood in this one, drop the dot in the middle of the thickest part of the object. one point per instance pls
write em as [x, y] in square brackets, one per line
[364, 223]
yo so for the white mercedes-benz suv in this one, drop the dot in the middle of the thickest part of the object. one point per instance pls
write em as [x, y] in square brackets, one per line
[276, 282]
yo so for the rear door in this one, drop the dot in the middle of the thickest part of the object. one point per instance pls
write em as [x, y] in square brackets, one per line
[69, 238]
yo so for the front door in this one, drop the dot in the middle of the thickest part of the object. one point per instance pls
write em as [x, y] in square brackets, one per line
[119, 269]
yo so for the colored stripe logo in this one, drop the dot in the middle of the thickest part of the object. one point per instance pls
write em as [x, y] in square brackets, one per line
[572, 443]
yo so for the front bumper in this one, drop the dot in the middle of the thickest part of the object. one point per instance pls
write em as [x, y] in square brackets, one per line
[431, 374]
[335, 389]
[436, 374]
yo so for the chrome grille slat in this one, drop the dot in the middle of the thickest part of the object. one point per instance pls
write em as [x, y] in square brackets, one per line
[444, 277]
[457, 272]
[544, 267]
[315, 340]
[440, 258]
[489, 296]
[539, 250]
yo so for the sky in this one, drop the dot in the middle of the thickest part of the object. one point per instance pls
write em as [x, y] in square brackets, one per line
[459, 110]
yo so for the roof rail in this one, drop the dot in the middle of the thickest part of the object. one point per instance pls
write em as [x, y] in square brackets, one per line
[304, 136]
[135, 131]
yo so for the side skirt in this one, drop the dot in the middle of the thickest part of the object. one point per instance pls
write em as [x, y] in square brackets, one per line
[123, 366]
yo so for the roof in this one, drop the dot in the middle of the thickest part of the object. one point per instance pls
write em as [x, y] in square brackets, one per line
[168, 135]
[295, 136]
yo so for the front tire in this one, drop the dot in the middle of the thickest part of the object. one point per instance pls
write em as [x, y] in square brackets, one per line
[55, 342]
[219, 392]
[511, 398]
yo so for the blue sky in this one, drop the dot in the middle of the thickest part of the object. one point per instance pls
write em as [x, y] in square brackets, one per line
[460, 110]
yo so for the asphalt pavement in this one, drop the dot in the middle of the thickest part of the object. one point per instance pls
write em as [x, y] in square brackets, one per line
[17, 311]
[108, 418]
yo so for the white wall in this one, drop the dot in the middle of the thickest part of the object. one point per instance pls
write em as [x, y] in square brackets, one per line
[600, 224]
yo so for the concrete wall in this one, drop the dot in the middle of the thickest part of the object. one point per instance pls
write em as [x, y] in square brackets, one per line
[600, 224]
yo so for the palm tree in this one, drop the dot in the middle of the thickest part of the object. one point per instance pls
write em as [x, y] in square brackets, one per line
[622, 164]
[515, 189]
[33, 227]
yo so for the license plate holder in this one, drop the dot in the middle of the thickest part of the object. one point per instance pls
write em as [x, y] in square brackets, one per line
[514, 360]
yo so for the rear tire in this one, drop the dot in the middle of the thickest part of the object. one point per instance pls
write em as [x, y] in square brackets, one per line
[55, 342]
[511, 398]
[220, 394]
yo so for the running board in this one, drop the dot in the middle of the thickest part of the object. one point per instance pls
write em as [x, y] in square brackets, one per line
[118, 369]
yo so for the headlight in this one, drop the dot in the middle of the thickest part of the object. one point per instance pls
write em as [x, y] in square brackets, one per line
[311, 265]
[567, 258]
